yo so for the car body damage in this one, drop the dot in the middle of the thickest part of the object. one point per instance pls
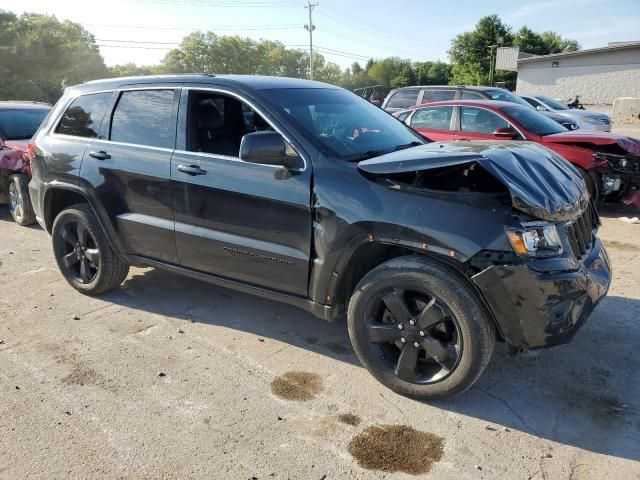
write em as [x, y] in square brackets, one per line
[13, 155]
[539, 182]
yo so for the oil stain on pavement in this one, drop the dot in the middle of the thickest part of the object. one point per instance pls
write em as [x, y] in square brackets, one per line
[300, 386]
[396, 448]
[350, 419]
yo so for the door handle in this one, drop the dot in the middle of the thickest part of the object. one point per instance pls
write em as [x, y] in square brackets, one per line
[191, 170]
[101, 155]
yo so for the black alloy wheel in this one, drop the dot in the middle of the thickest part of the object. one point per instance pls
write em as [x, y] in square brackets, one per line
[416, 335]
[418, 326]
[81, 257]
[84, 255]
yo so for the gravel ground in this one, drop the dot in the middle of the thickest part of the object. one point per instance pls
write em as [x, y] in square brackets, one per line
[171, 378]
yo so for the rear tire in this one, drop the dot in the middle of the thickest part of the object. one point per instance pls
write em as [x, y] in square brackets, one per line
[83, 253]
[419, 328]
[19, 200]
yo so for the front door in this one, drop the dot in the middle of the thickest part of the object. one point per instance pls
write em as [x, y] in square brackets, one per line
[241, 221]
[129, 170]
[479, 124]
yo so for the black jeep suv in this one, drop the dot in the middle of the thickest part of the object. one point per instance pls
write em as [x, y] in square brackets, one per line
[305, 193]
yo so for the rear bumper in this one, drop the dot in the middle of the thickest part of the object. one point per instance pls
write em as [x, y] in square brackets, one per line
[35, 189]
[535, 309]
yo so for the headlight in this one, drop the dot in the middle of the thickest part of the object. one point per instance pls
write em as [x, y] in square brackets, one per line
[591, 120]
[536, 240]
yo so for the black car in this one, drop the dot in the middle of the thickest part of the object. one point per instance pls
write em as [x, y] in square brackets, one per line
[308, 194]
[405, 97]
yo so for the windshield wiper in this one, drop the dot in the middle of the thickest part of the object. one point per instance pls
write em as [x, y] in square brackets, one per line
[415, 143]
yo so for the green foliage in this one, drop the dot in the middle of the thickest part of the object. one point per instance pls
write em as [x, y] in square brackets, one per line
[40, 56]
[470, 52]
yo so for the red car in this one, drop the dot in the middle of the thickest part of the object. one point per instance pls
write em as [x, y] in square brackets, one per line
[18, 122]
[609, 163]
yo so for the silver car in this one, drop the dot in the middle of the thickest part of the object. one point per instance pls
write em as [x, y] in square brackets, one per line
[585, 119]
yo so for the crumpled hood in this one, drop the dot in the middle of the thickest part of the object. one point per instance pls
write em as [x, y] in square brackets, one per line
[540, 182]
[629, 144]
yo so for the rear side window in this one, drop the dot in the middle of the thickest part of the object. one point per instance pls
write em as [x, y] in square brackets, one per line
[437, 118]
[143, 117]
[479, 120]
[84, 115]
[403, 98]
[466, 95]
[438, 95]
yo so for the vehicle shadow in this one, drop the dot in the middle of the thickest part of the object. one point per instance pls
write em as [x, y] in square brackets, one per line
[618, 210]
[584, 394]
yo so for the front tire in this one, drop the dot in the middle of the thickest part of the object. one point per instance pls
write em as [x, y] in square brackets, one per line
[419, 328]
[19, 200]
[83, 253]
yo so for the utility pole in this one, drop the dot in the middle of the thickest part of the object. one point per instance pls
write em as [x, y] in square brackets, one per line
[310, 27]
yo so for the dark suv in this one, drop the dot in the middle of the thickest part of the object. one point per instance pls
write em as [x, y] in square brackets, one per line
[308, 194]
[406, 97]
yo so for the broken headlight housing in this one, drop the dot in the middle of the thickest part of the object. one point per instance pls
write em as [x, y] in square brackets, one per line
[536, 240]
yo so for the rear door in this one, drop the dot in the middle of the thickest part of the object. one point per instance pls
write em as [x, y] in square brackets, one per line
[434, 123]
[477, 123]
[129, 170]
[238, 220]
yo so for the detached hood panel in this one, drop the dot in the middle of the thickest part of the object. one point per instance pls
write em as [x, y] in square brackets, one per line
[540, 182]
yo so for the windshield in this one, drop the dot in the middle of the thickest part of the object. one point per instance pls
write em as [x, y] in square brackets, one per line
[506, 96]
[533, 121]
[556, 105]
[340, 122]
[20, 124]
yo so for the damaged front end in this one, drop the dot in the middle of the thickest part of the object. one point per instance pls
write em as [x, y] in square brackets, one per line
[621, 180]
[544, 279]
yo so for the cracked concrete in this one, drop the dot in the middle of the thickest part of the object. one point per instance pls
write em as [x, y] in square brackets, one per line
[83, 398]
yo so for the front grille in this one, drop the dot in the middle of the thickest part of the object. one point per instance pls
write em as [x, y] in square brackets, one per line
[580, 232]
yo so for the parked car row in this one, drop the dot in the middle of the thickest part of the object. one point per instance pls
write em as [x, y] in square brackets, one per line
[308, 194]
[609, 164]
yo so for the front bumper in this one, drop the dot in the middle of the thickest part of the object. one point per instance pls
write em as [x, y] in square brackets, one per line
[536, 309]
[586, 126]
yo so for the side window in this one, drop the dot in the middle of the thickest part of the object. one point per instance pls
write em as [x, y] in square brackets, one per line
[403, 116]
[438, 95]
[84, 115]
[437, 118]
[143, 117]
[479, 120]
[216, 123]
[403, 99]
[467, 95]
[534, 103]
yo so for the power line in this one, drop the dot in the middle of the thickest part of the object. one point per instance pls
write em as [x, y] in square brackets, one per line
[239, 3]
[371, 45]
[290, 26]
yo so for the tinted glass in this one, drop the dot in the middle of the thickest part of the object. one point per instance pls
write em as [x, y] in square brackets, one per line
[437, 118]
[341, 123]
[534, 121]
[84, 115]
[479, 120]
[554, 103]
[533, 102]
[466, 95]
[20, 124]
[438, 95]
[506, 96]
[403, 116]
[403, 98]
[143, 117]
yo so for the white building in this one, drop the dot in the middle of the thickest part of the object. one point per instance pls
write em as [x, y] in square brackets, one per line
[598, 75]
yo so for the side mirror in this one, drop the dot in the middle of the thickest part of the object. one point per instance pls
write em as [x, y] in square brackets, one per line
[505, 132]
[540, 108]
[268, 148]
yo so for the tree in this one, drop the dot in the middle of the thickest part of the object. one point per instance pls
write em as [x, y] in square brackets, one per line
[470, 51]
[40, 56]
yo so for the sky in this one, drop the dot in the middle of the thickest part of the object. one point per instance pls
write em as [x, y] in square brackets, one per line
[143, 31]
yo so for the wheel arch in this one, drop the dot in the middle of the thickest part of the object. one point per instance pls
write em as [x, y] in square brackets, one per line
[369, 253]
[59, 196]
